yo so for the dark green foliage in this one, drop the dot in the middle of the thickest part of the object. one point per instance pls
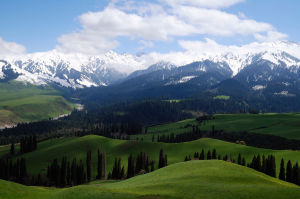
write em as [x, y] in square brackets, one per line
[63, 172]
[28, 144]
[296, 174]
[101, 166]
[12, 149]
[117, 172]
[208, 156]
[214, 154]
[201, 157]
[282, 170]
[130, 167]
[268, 166]
[289, 172]
[163, 161]
[240, 159]
[88, 165]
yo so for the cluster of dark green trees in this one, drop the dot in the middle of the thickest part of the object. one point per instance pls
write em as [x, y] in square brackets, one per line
[291, 173]
[14, 170]
[75, 172]
[28, 144]
[201, 156]
[265, 165]
[252, 139]
[142, 164]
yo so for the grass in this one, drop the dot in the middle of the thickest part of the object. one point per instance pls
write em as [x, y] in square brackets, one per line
[71, 147]
[222, 97]
[194, 179]
[25, 103]
[285, 125]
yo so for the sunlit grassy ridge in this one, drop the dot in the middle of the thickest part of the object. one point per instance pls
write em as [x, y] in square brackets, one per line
[194, 179]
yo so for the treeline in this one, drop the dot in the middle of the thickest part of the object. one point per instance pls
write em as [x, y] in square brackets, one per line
[143, 164]
[72, 173]
[251, 139]
[66, 173]
[15, 171]
[28, 144]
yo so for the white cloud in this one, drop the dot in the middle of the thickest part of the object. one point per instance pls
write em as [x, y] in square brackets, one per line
[7, 48]
[203, 3]
[154, 22]
[145, 44]
[219, 23]
[270, 36]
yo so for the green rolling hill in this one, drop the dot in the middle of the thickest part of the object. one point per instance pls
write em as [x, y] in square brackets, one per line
[71, 147]
[193, 179]
[27, 103]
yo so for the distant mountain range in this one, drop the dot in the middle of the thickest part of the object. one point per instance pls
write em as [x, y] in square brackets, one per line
[274, 69]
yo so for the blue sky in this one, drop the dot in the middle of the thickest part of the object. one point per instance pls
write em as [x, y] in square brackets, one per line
[42, 25]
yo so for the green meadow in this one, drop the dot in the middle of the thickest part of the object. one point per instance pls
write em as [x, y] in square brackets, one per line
[26, 103]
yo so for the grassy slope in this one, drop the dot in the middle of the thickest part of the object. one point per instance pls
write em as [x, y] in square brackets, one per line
[25, 103]
[284, 125]
[38, 161]
[194, 179]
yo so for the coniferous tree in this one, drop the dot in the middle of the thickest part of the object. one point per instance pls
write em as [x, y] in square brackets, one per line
[282, 170]
[201, 157]
[104, 165]
[166, 160]
[152, 165]
[99, 165]
[161, 162]
[289, 172]
[88, 165]
[74, 172]
[243, 161]
[130, 167]
[214, 154]
[295, 173]
[68, 175]
[12, 149]
[240, 159]
[208, 157]
[63, 172]
[273, 167]
[264, 164]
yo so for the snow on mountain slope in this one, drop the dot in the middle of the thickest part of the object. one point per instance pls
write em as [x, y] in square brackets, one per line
[72, 70]
[79, 70]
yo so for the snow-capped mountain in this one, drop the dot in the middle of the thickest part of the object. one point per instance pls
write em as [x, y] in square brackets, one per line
[255, 63]
[67, 70]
